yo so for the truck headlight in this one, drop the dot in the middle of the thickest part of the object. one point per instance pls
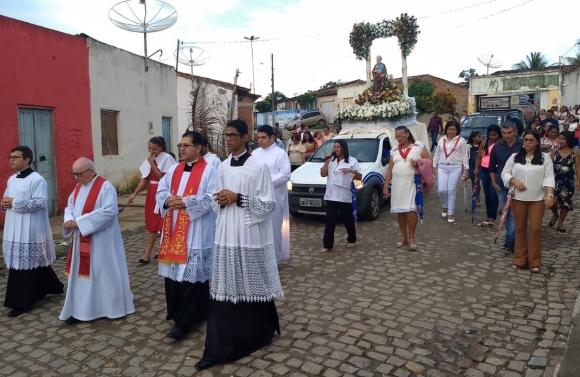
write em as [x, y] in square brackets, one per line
[358, 184]
[289, 185]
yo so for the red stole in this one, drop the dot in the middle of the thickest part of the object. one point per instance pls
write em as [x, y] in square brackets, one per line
[85, 242]
[174, 243]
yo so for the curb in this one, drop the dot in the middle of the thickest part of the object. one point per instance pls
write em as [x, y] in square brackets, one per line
[569, 365]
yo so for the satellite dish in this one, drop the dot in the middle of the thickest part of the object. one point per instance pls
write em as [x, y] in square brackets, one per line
[192, 56]
[143, 16]
[489, 61]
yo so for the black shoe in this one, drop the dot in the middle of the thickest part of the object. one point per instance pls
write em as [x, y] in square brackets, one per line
[15, 313]
[143, 261]
[72, 320]
[204, 364]
[156, 256]
[509, 247]
[176, 334]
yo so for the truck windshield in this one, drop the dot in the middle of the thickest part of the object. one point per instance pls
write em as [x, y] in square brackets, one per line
[364, 150]
[480, 121]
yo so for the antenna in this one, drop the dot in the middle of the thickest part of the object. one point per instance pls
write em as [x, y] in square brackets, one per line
[143, 16]
[489, 61]
[191, 55]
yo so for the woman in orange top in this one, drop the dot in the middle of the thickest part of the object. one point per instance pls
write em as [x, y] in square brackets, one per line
[481, 170]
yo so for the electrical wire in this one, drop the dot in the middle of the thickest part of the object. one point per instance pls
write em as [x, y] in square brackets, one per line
[457, 10]
[494, 14]
[261, 40]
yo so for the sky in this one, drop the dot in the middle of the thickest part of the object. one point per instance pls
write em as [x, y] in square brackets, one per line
[309, 39]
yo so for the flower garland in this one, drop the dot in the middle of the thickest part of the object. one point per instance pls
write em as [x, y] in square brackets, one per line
[405, 28]
[371, 113]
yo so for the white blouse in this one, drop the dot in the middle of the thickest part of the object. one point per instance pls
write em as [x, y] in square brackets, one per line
[535, 177]
[338, 183]
[456, 150]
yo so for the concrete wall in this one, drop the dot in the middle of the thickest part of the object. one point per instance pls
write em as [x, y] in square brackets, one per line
[571, 89]
[346, 96]
[514, 83]
[48, 69]
[119, 82]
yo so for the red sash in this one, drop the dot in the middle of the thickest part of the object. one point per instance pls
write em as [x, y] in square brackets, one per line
[174, 242]
[452, 150]
[85, 242]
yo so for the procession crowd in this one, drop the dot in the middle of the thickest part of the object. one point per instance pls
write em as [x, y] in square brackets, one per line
[228, 221]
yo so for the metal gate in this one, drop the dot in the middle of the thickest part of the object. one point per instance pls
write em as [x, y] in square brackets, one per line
[327, 109]
[35, 130]
[166, 131]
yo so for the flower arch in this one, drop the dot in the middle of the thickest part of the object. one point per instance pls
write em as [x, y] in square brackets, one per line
[405, 28]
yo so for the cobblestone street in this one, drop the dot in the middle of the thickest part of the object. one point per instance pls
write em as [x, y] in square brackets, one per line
[455, 308]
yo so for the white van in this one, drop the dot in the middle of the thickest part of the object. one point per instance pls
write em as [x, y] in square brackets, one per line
[306, 187]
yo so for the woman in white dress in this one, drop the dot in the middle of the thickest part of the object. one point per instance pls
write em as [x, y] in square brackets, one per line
[401, 176]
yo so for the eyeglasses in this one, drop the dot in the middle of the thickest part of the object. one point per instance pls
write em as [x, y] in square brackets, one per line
[12, 158]
[230, 136]
[185, 145]
[78, 175]
[529, 141]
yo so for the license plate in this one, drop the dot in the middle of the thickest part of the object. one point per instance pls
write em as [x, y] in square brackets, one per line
[304, 202]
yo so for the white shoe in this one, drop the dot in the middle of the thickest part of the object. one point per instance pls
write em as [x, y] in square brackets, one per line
[451, 220]
[443, 214]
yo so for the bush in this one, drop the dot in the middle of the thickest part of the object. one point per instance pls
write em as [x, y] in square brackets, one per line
[129, 184]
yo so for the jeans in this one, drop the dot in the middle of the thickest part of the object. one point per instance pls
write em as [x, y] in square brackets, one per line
[448, 179]
[510, 226]
[434, 139]
[491, 202]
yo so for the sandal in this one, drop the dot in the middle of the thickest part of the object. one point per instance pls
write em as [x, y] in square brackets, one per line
[325, 250]
[350, 245]
[535, 269]
[516, 267]
[412, 245]
[561, 230]
[553, 221]
[401, 243]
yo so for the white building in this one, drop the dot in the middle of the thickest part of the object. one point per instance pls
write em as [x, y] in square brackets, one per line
[128, 107]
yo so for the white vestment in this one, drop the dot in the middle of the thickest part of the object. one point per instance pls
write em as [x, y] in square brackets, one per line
[279, 165]
[213, 160]
[244, 261]
[201, 231]
[27, 241]
[106, 293]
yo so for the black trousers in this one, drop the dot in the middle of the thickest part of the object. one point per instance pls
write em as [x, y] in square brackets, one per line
[333, 209]
[186, 303]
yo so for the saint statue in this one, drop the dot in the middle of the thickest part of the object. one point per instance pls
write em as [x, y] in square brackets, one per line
[379, 73]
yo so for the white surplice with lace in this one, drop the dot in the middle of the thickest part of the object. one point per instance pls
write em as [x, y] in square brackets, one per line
[201, 230]
[244, 264]
[27, 241]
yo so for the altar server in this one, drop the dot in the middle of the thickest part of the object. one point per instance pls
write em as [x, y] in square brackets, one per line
[208, 155]
[98, 281]
[242, 316]
[27, 241]
[279, 165]
[185, 256]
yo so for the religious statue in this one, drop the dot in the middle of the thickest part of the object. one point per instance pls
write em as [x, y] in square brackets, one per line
[379, 73]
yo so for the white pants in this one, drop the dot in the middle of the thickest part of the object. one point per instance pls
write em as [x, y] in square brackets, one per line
[448, 179]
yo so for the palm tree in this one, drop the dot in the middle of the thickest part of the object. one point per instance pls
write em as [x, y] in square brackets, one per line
[534, 60]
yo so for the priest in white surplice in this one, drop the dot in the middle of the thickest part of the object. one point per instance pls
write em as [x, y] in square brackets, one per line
[242, 316]
[185, 195]
[279, 165]
[98, 282]
[27, 241]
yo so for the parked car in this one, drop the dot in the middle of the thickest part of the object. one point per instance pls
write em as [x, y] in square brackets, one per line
[309, 118]
[306, 187]
[480, 121]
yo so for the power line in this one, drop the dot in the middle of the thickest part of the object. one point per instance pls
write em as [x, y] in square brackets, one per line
[457, 10]
[494, 14]
[262, 40]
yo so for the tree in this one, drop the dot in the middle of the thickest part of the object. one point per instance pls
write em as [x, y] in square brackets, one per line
[328, 85]
[575, 60]
[466, 74]
[534, 60]
[265, 105]
[444, 102]
[306, 99]
[423, 91]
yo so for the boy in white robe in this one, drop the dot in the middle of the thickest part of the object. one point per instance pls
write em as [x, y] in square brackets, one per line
[279, 165]
[210, 157]
[187, 276]
[242, 316]
[98, 282]
[27, 242]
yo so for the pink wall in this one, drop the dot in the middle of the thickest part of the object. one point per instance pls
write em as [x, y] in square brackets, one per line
[45, 68]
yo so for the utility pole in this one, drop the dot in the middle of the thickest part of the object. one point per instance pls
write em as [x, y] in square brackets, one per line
[252, 39]
[273, 96]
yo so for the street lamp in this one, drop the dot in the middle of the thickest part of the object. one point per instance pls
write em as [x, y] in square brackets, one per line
[252, 39]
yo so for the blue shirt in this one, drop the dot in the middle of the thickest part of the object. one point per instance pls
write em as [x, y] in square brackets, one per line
[553, 121]
[499, 156]
[279, 144]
